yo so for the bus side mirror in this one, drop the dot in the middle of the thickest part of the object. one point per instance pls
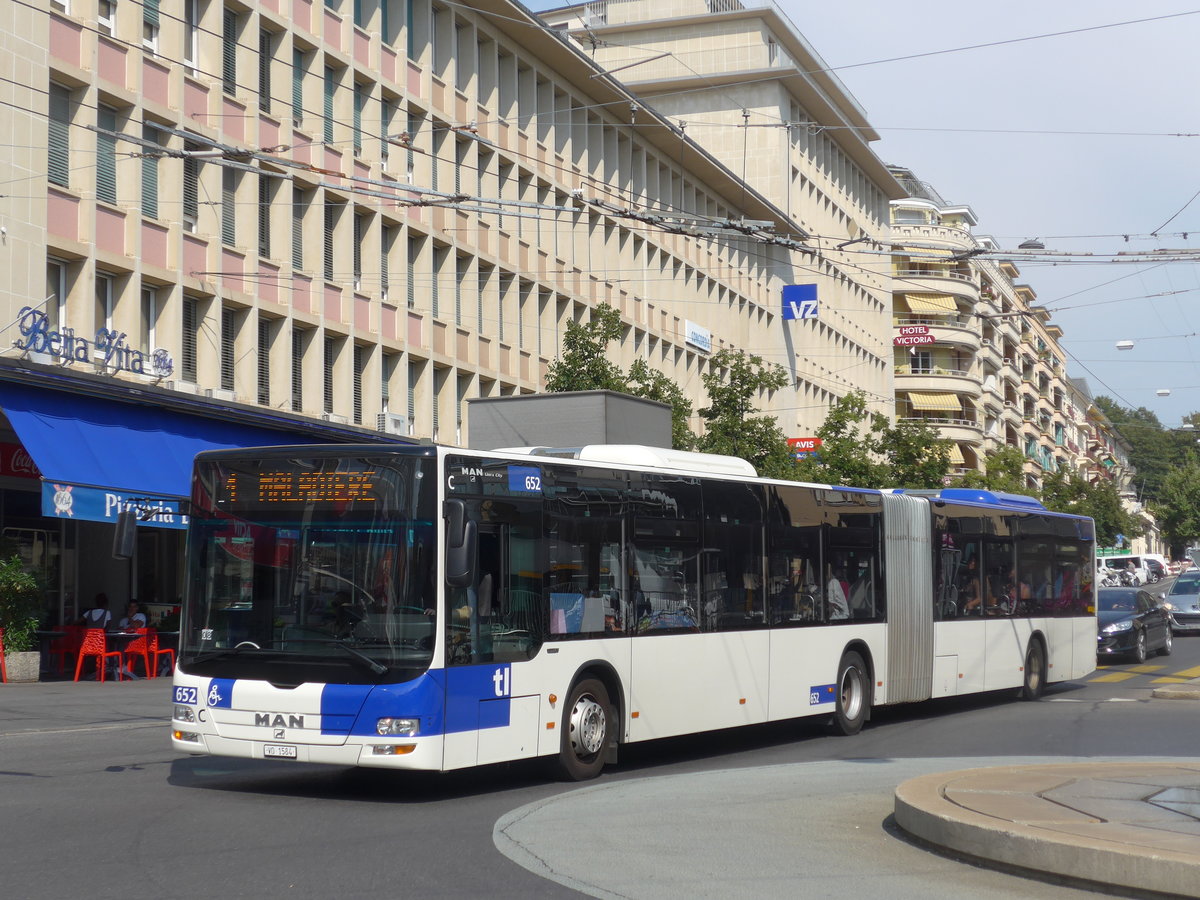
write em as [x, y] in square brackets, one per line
[462, 544]
[126, 534]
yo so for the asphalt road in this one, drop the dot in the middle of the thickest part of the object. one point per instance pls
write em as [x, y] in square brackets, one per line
[96, 804]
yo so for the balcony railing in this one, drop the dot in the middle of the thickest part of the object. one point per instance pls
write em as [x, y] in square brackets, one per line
[941, 420]
[944, 273]
[950, 321]
[931, 370]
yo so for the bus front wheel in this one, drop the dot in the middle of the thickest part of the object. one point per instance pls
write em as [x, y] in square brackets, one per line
[853, 694]
[585, 731]
[1035, 672]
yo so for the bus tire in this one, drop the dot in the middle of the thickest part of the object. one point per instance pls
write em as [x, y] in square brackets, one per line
[853, 694]
[586, 724]
[1035, 672]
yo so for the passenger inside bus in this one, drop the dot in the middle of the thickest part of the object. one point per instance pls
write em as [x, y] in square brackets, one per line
[836, 589]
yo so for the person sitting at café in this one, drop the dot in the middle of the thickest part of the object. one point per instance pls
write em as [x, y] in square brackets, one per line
[98, 616]
[134, 617]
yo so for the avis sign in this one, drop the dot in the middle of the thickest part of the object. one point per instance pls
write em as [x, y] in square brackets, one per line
[805, 446]
[913, 336]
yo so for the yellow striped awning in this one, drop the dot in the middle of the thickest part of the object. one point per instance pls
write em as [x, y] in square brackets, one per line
[956, 455]
[929, 402]
[931, 303]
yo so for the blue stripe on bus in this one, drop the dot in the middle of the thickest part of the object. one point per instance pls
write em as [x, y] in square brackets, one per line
[475, 697]
[822, 693]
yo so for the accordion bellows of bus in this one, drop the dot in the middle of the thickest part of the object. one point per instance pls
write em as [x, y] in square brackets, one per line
[427, 607]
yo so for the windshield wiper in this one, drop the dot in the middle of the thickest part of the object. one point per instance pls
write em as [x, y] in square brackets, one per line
[376, 667]
[225, 651]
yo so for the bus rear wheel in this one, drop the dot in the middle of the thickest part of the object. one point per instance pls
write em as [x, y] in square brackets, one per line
[585, 731]
[853, 694]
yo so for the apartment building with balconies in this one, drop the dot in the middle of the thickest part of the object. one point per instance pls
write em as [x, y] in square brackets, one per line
[975, 356]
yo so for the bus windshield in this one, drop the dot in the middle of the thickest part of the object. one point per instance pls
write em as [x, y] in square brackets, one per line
[310, 569]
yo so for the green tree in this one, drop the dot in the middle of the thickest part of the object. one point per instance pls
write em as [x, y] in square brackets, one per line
[642, 381]
[1153, 450]
[862, 449]
[1068, 491]
[20, 605]
[1178, 508]
[734, 380]
[1004, 470]
[583, 365]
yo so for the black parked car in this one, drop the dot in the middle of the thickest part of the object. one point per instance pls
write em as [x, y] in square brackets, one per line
[1131, 623]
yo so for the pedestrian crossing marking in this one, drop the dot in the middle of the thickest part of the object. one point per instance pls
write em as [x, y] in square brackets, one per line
[1113, 676]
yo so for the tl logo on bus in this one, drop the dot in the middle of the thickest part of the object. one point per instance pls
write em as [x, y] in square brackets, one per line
[502, 681]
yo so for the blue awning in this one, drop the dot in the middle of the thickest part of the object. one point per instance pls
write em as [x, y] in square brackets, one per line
[129, 447]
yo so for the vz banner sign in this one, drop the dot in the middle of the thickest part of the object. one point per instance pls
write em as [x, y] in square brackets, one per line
[799, 301]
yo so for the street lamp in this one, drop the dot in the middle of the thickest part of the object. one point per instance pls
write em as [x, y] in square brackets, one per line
[1124, 345]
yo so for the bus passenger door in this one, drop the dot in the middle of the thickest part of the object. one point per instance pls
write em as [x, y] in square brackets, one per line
[490, 625]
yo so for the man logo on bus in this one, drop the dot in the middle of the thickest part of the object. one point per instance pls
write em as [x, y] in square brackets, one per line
[501, 681]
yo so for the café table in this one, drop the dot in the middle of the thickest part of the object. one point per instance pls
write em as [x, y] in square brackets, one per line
[44, 640]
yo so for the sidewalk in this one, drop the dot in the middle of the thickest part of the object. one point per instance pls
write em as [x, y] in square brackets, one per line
[1126, 825]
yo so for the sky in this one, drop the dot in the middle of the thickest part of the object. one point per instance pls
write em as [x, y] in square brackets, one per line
[988, 128]
[1077, 193]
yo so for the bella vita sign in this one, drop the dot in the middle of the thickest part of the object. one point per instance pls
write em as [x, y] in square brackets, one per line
[109, 347]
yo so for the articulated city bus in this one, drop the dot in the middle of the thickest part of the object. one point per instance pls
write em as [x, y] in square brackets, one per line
[426, 607]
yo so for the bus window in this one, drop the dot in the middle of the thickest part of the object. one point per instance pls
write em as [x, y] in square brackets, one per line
[794, 556]
[665, 551]
[732, 558]
[850, 557]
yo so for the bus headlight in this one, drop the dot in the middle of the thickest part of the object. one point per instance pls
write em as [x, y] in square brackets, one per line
[184, 713]
[401, 727]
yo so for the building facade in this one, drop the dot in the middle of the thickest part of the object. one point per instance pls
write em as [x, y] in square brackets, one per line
[341, 221]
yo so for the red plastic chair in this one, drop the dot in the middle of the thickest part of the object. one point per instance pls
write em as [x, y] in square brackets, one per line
[3, 669]
[61, 648]
[155, 653]
[95, 643]
[139, 647]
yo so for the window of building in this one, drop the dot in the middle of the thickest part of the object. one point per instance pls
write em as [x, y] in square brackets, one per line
[360, 235]
[414, 372]
[229, 186]
[191, 31]
[106, 155]
[265, 57]
[149, 337]
[228, 349]
[265, 192]
[387, 240]
[59, 150]
[264, 362]
[414, 254]
[297, 369]
[328, 248]
[439, 261]
[330, 359]
[56, 292]
[327, 108]
[106, 16]
[187, 343]
[298, 85]
[150, 26]
[191, 188]
[360, 103]
[356, 387]
[300, 201]
[150, 173]
[104, 301]
[229, 37]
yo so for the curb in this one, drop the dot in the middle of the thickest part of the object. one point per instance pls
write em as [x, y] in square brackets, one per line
[923, 810]
[1191, 692]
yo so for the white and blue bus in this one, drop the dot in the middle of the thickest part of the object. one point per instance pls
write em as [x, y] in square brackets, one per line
[434, 608]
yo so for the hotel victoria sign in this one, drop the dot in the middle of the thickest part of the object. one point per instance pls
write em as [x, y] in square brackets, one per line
[108, 347]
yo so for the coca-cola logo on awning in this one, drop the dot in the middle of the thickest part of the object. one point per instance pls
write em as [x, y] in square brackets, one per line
[15, 462]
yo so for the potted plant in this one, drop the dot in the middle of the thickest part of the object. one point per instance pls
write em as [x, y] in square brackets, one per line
[20, 610]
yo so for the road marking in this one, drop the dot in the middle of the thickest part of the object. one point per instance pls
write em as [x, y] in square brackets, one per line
[1193, 672]
[1113, 677]
[1170, 679]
